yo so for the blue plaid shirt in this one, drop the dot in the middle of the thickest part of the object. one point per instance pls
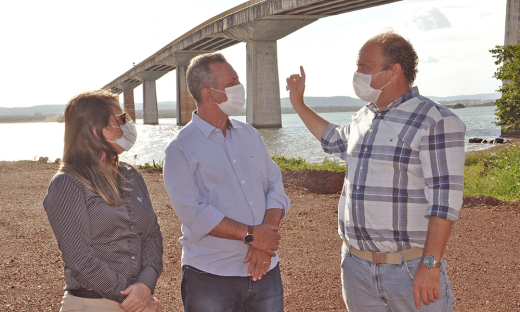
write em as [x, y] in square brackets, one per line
[404, 164]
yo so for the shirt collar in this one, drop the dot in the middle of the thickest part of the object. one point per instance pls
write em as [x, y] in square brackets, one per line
[205, 127]
[413, 92]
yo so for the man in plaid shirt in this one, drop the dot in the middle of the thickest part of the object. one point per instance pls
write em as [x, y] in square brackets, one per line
[403, 184]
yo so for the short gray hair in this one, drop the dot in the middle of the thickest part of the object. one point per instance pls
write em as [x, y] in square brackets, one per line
[200, 75]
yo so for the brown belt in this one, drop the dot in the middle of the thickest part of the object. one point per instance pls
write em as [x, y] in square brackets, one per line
[85, 293]
[385, 257]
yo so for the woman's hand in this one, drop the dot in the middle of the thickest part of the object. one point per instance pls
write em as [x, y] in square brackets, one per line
[138, 298]
[153, 306]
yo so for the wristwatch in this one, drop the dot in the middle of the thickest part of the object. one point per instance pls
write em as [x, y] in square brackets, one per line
[430, 262]
[248, 239]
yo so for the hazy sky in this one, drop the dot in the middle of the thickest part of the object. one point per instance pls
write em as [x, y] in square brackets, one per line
[52, 50]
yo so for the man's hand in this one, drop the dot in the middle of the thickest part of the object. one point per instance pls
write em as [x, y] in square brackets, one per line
[296, 87]
[266, 239]
[259, 262]
[426, 285]
[138, 298]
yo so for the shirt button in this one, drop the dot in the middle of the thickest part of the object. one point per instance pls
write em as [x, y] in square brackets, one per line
[250, 203]
[366, 149]
[357, 187]
[243, 182]
[133, 257]
[217, 130]
[361, 168]
[234, 160]
[370, 130]
[357, 207]
[132, 227]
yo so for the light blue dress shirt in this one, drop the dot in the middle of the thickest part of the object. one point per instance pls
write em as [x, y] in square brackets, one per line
[209, 177]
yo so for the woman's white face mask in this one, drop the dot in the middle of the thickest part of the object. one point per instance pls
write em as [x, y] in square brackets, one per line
[364, 91]
[236, 98]
[127, 140]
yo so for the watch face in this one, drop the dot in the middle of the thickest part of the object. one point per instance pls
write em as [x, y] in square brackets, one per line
[248, 238]
[429, 261]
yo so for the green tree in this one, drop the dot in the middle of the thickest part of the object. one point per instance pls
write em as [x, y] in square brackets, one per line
[459, 105]
[508, 106]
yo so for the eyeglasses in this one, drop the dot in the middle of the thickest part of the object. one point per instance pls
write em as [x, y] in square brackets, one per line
[121, 118]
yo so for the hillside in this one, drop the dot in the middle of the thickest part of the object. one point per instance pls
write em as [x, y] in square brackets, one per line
[321, 104]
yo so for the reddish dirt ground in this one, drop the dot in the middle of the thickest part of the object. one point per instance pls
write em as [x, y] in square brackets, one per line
[482, 253]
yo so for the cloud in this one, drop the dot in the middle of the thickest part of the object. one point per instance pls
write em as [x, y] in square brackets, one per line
[429, 59]
[429, 19]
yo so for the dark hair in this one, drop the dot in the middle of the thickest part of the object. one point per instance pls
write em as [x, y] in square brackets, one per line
[396, 49]
[87, 155]
[200, 75]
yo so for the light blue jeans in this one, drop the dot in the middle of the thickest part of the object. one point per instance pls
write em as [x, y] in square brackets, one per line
[387, 287]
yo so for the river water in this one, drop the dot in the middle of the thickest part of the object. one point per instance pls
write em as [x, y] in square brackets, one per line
[28, 141]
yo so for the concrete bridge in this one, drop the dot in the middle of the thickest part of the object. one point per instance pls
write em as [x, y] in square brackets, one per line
[258, 23]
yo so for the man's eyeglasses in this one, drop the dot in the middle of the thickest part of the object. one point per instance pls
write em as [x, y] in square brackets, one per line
[121, 118]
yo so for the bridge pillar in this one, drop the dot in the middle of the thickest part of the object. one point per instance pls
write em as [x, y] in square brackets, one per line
[128, 97]
[185, 102]
[512, 36]
[263, 88]
[150, 110]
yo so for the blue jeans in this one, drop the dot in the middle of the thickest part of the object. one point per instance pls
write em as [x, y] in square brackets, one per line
[387, 287]
[206, 292]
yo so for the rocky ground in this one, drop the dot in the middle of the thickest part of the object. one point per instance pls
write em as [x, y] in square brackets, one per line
[482, 254]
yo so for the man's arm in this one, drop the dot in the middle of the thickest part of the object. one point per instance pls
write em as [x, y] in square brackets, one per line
[426, 281]
[259, 261]
[266, 237]
[442, 156]
[314, 122]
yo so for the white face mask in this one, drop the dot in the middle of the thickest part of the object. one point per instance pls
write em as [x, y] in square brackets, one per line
[364, 91]
[236, 98]
[127, 140]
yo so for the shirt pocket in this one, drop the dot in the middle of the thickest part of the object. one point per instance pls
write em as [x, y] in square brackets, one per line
[256, 165]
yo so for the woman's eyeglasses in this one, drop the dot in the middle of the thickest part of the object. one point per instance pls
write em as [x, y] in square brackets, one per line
[121, 118]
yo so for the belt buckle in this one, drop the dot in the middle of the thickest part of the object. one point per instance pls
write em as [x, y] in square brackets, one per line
[379, 257]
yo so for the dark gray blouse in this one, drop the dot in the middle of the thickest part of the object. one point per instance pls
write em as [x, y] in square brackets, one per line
[105, 248]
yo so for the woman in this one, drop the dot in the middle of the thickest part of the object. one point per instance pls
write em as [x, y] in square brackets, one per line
[101, 214]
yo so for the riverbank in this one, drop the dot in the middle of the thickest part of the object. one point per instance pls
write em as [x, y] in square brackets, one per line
[482, 252]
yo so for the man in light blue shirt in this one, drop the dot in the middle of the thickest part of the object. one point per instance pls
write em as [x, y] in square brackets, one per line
[229, 196]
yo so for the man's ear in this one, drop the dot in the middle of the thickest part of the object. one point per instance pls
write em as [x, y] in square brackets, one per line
[207, 95]
[396, 71]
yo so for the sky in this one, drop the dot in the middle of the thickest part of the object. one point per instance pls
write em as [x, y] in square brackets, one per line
[54, 49]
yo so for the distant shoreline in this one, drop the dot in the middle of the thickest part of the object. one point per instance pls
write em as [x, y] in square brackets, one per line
[171, 113]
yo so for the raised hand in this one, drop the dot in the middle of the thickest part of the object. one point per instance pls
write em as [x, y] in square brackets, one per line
[296, 87]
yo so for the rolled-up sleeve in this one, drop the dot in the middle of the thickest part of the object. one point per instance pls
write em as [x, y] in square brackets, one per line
[185, 196]
[275, 195]
[66, 209]
[442, 159]
[334, 140]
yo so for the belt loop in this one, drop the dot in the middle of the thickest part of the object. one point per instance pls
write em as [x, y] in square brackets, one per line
[346, 243]
[400, 260]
